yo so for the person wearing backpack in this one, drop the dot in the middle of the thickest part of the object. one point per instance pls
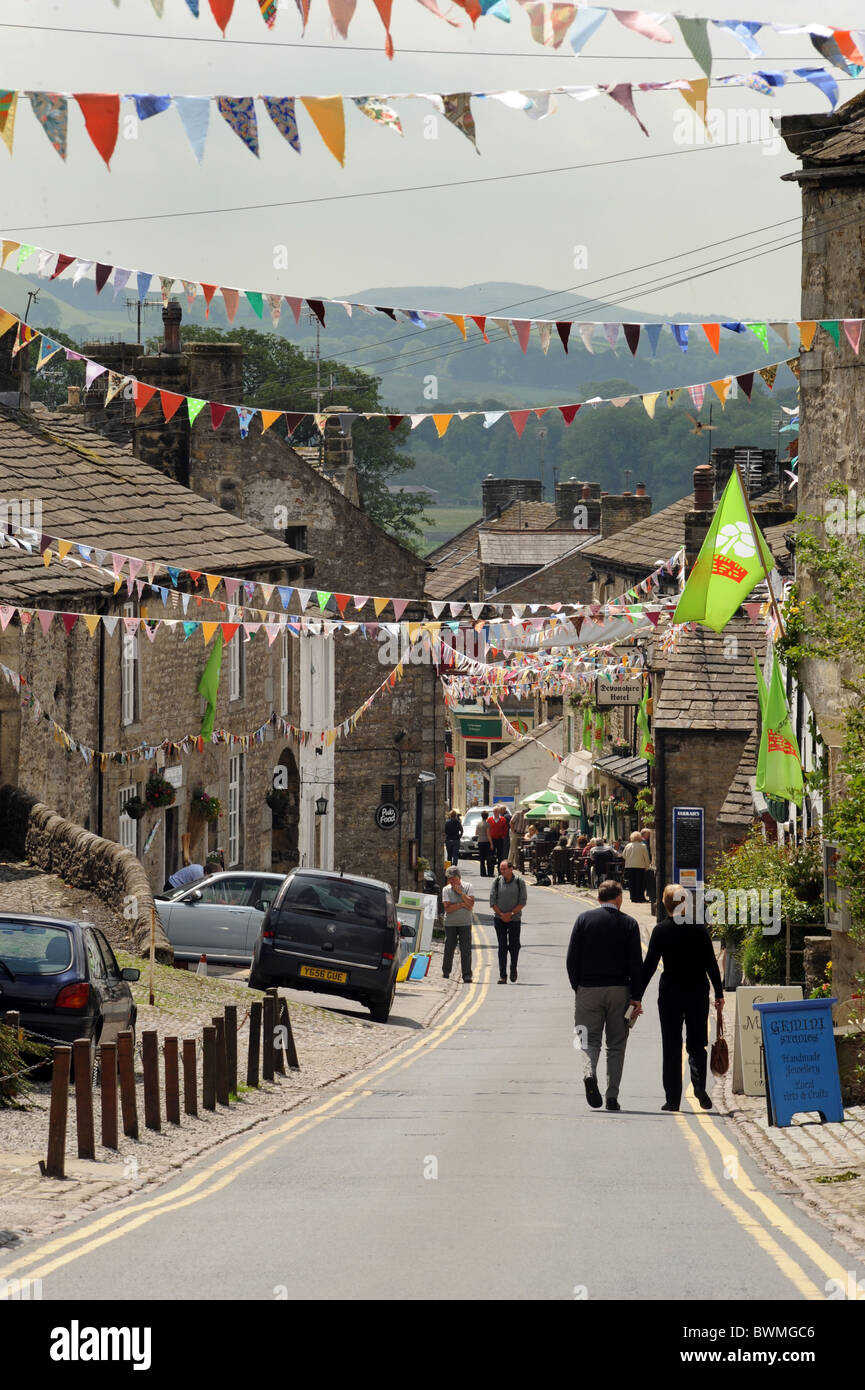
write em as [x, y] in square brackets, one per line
[508, 897]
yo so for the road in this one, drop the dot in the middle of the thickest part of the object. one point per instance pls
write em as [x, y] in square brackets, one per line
[465, 1165]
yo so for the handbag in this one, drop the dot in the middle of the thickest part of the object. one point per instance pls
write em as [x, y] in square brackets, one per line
[719, 1061]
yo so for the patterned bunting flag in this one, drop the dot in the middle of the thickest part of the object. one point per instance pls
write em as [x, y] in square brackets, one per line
[239, 113]
[281, 112]
[457, 109]
[377, 110]
[52, 113]
[768, 374]
[8, 107]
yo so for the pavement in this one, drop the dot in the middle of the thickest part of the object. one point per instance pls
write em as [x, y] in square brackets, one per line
[467, 1165]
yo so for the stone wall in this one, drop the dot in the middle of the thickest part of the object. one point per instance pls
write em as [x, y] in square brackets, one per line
[693, 777]
[32, 831]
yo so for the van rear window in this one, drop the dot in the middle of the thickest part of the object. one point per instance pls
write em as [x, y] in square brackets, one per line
[337, 898]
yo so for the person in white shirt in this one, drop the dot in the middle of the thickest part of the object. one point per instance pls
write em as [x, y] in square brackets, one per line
[636, 864]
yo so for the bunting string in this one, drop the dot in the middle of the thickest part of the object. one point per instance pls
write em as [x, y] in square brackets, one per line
[195, 743]
[29, 260]
[145, 395]
[551, 24]
[101, 111]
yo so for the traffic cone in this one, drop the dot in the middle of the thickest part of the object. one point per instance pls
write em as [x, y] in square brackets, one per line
[201, 968]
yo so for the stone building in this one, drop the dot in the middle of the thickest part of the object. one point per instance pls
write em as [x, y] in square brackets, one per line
[114, 690]
[832, 380]
[308, 498]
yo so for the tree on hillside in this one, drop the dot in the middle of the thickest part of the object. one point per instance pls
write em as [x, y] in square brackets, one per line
[278, 376]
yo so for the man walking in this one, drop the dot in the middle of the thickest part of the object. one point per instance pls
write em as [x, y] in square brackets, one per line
[605, 968]
[508, 897]
[457, 901]
[485, 854]
[516, 831]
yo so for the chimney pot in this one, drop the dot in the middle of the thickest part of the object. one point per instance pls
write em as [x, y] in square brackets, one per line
[641, 489]
[587, 490]
[171, 317]
[73, 395]
[704, 498]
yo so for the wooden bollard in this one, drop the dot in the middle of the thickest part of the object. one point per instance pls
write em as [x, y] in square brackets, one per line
[278, 1053]
[221, 1061]
[190, 1080]
[231, 1046]
[55, 1165]
[254, 1043]
[150, 1063]
[291, 1050]
[13, 1020]
[126, 1069]
[82, 1062]
[108, 1087]
[208, 1068]
[269, 1014]
[172, 1081]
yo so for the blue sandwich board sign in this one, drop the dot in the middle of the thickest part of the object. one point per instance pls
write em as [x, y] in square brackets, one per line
[801, 1063]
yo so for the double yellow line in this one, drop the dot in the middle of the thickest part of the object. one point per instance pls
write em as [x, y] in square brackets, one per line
[54, 1254]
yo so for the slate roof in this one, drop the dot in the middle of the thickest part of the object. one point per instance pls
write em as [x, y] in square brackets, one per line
[738, 809]
[826, 140]
[640, 546]
[533, 549]
[94, 490]
[520, 745]
[704, 688]
[633, 772]
[455, 562]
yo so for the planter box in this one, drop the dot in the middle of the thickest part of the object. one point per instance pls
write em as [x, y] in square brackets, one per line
[851, 1057]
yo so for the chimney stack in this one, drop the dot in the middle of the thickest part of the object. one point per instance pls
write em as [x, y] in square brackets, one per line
[704, 487]
[698, 521]
[501, 492]
[171, 316]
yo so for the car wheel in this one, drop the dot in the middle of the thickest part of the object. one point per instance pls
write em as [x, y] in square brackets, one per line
[379, 1009]
[257, 980]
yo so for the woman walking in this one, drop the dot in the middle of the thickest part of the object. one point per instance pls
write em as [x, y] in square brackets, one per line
[683, 994]
[636, 866]
[453, 836]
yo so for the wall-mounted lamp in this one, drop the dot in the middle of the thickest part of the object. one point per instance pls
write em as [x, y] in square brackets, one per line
[321, 805]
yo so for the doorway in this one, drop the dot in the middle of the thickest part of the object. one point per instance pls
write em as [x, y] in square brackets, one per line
[285, 813]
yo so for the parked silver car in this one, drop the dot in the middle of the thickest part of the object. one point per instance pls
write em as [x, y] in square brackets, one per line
[219, 916]
[469, 841]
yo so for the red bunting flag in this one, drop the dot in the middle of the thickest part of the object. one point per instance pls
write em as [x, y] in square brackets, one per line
[171, 403]
[208, 291]
[568, 413]
[141, 394]
[62, 262]
[222, 12]
[342, 602]
[228, 629]
[523, 328]
[102, 274]
[518, 420]
[231, 299]
[394, 420]
[746, 383]
[218, 414]
[384, 9]
[317, 307]
[564, 331]
[713, 333]
[292, 422]
[481, 321]
[101, 112]
[632, 336]
[69, 621]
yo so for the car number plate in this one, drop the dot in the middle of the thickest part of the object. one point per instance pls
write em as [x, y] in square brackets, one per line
[314, 972]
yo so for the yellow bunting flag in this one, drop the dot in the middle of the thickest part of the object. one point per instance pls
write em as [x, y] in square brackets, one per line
[459, 321]
[207, 631]
[695, 95]
[91, 622]
[441, 423]
[807, 329]
[63, 548]
[649, 402]
[721, 388]
[212, 582]
[328, 117]
[268, 417]
[380, 604]
[7, 321]
[47, 556]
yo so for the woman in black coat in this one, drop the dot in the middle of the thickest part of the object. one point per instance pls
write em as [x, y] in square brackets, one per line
[683, 994]
[453, 836]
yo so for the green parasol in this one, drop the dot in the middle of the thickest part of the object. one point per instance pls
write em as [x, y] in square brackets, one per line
[551, 810]
[548, 797]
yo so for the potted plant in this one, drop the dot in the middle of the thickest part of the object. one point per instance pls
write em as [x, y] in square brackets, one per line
[645, 808]
[159, 792]
[620, 748]
[204, 805]
[135, 807]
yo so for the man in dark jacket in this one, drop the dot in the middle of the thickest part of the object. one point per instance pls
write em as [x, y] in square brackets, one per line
[605, 967]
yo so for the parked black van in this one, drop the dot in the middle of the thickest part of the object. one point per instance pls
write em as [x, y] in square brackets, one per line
[333, 933]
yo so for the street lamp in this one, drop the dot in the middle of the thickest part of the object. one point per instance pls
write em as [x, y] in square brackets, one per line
[321, 805]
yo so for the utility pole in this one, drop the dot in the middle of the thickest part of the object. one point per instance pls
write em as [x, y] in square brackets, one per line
[318, 392]
[542, 434]
[32, 296]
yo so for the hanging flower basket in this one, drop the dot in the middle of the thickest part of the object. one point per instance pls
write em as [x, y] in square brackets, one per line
[135, 808]
[206, 807]
[159, 792]
[281, 802]
[621, 750]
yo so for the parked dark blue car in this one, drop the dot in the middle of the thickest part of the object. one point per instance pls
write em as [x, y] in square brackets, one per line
[63, 979]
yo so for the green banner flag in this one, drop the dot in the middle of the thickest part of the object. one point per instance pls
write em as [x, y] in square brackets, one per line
[209, 685]
[728, 565]
[587, 729]
[779, 768]
[646, 745]
[598, 732]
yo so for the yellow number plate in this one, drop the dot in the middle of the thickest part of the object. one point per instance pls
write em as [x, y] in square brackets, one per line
[313, 972]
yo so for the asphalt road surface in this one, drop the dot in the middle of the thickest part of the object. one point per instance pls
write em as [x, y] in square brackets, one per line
[467, 1165]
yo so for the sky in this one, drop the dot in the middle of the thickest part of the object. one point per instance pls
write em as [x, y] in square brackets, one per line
[425, 218]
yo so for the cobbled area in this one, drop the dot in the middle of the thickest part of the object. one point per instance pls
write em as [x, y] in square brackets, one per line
[330, 1044]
